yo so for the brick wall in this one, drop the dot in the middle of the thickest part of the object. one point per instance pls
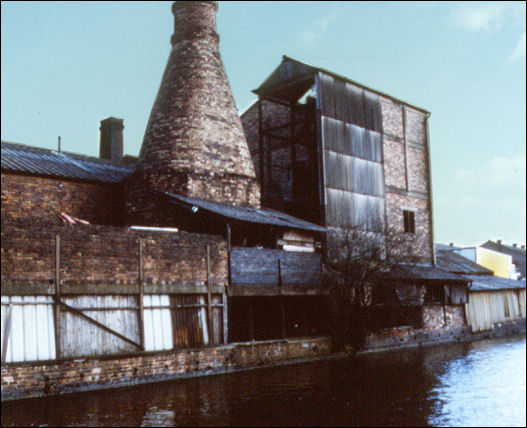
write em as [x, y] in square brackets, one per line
[104, 255]
[38, 379]
[405, 144]
[434, 316]
[33, 197]
[421, 240]
[194, 142]
[394, 171]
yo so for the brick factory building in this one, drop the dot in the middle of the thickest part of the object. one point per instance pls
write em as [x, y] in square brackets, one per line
[217, 231]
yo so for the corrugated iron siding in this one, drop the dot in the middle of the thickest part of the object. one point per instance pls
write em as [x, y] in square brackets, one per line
[352, 140]
[79, 337]
[190, 324]
[348, 103]
[457, 294]
[484, 309]
[521, 301]
[157, 323]
[32, 333]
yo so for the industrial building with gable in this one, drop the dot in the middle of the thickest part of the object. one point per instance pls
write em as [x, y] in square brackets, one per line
[210, 245]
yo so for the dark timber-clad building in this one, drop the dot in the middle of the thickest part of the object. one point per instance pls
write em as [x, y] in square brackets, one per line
[332, 151]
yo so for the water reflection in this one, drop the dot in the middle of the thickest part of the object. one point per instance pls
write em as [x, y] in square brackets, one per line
[476, 384]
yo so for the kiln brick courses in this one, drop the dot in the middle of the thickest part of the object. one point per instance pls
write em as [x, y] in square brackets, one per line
[194, 143]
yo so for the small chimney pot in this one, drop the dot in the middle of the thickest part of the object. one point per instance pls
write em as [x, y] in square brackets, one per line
[515, 245]
[111, 143]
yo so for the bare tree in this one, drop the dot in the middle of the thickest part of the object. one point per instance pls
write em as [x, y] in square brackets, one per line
[358, 262]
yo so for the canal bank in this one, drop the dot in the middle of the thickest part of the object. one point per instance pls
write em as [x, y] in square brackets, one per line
[37, 379]
[48, 378]
[480, 383]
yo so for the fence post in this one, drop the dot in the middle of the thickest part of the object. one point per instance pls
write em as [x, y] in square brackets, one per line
[251, 320]
[58, 351]
[281, 298]
[140, 297]
[7, 330]
[225, 317]
[229, 253]
[209, 298]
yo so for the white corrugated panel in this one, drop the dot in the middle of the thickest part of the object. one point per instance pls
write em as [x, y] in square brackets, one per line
[484, 309]
[32, 333]
[157, 323]
[79, 337]
[521, 301]
[202, 314]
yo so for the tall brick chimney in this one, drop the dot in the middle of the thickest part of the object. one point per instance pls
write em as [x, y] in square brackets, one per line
[111, 143]
[194, 143]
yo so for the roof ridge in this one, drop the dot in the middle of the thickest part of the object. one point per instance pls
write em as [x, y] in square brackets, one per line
[354, 82]
[21, 146]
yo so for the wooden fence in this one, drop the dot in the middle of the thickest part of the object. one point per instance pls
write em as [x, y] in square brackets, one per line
[62, 325]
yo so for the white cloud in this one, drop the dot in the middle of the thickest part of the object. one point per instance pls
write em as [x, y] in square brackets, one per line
[318, 28]
[480, 17]
[519, 52]
[501, 172]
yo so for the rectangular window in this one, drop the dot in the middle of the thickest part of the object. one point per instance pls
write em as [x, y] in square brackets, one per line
[435, 294]
[409, 221]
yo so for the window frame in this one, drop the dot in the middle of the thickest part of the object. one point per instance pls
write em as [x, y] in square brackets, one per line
[409, 221]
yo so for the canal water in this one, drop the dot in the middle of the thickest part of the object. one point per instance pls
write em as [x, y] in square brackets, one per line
[472, 384]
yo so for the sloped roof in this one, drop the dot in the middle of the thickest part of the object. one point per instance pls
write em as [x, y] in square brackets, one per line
[34, 160]
[441, 247]
[490, 283]
[418, 271]
[454, 262]
[246, 214]
[504, 248]
[292, 78]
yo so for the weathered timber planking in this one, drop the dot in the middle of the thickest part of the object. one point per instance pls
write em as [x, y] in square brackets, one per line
[259, 267]
[28, 288]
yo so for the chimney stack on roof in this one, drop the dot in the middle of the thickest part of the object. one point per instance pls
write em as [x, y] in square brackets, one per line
[194, 144]
[523, 247]
[111, 143]
[451, 244]
[515, 245]
[499, 241]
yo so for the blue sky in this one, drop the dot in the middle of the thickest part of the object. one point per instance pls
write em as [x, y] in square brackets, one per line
[68, 65]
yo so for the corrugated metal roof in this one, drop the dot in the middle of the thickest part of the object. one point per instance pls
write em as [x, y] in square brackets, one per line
[454, 262]
[417, 271]
[34, 160]
[489, 283]
[247, 214]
